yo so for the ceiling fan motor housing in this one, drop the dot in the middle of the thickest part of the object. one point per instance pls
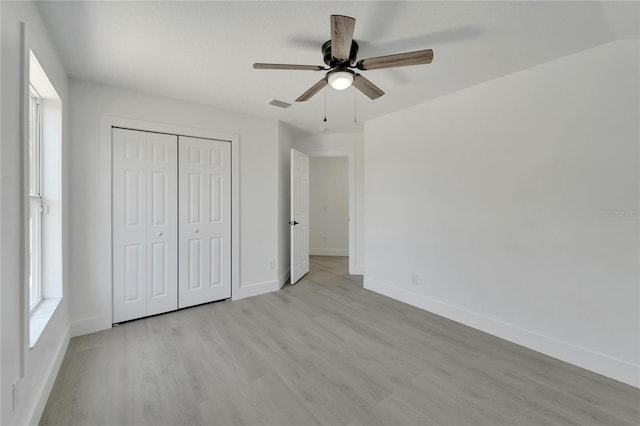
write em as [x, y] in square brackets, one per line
[330, 61]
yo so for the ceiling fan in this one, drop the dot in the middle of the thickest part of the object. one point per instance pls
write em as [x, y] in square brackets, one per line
[340, 55]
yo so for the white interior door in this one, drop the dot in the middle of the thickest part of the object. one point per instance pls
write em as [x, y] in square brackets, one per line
[299, 223]
[204, 168]
[144, 224]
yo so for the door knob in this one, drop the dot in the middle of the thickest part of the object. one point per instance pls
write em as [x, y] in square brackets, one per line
[159, 234]
[195, 231]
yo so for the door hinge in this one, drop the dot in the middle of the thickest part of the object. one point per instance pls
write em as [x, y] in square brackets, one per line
[293, 223]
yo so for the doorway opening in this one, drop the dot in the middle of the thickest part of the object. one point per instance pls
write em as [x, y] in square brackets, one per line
[329, 206]
[329, 214]
[325, 242]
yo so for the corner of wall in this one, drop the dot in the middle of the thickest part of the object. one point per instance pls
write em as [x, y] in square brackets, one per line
[88, 326]
[285, 277]
[357, 270]
[256, 289]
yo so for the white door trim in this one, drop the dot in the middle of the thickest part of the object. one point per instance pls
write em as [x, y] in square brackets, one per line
[105, 273]
[352, 201]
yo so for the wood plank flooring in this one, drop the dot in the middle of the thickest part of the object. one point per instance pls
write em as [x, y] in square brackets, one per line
[324, 351]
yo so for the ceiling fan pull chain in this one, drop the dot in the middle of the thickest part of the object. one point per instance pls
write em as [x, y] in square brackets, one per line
[325, 105]
[355, 106]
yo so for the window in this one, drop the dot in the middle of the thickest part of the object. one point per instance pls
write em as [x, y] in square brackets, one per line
[43, 163]
[35, 199]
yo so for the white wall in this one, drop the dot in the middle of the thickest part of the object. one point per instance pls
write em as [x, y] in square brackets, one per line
[329, 206]
[41, 363]
[327, 143]
[505, 193]
[258, 191]
[285, 141]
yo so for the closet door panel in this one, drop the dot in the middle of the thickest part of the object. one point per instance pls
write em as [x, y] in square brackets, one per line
[129, 225]
[145, 224]
[162, 223]
[205, 220]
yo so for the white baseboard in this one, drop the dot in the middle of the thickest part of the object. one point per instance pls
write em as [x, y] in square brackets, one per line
[47, 385]
[285, 277]
[87, 326]
[250, 290]
[95, 324]
[597, 362]
[328, 252]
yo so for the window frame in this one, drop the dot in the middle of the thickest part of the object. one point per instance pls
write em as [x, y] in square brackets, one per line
[35, 199]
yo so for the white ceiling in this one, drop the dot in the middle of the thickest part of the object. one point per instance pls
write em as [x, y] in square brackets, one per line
[204, 51]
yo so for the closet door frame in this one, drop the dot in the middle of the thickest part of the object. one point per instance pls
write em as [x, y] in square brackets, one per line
[104, 231]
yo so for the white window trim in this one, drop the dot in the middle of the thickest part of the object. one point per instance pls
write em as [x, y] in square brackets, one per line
[35, 194]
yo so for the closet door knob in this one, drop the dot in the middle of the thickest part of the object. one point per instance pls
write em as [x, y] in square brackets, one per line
[195, 231]
[159, 234]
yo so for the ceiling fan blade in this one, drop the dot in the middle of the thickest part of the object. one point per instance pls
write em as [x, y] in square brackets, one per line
[312, 90]
[341, 36]
[398, 60]
[367, 87]
[260, 66]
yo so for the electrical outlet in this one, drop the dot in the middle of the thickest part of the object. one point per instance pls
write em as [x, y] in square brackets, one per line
[414, 279]
[272, 264]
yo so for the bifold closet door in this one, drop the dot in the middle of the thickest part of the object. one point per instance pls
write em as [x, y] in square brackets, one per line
[145, 224]
[205, 220]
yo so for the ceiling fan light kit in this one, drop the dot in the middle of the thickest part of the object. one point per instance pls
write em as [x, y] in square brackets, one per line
[340, 53]
[340, 79]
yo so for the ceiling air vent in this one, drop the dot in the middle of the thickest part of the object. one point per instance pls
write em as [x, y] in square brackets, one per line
[279, 104]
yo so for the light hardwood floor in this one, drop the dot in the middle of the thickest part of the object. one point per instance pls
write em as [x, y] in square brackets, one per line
[324, 351]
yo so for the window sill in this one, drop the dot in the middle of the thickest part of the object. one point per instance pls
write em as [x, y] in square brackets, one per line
[40, 318]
